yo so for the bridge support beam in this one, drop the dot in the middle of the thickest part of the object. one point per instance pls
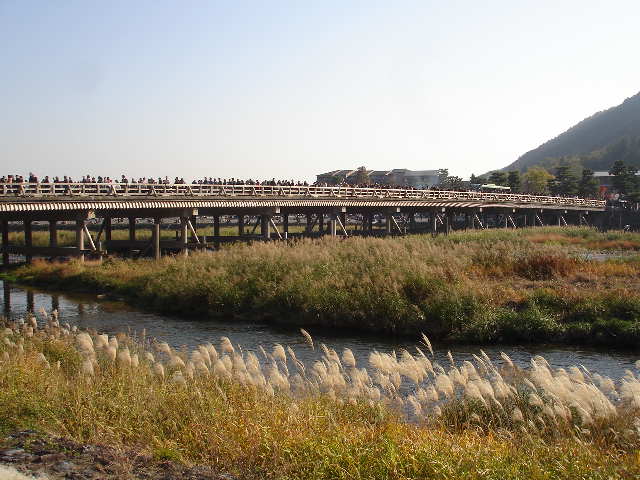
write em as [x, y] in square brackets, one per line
[308, 224]
[53, 233]
[240, 225]
[28, 240]
[216, 231]
[265, 226]
[184, 236]
[333, 225]
[5, 242]
[285, 225]
[193, 226]
[107, 229]
[582, 219]
[80, 227]
[155, 238]
[132, 229]
[412, 222]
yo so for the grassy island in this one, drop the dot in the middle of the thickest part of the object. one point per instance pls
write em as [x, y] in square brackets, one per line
[530, 285]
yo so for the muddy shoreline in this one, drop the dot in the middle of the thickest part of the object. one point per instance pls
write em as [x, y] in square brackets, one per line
[35, 453]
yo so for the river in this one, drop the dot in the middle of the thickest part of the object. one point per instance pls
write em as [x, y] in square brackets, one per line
[107, 316]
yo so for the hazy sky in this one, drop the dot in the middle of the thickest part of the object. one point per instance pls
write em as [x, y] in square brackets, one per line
[291, 89]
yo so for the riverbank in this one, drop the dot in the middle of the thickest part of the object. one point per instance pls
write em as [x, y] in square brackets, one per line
[498, 286]
[259, 414]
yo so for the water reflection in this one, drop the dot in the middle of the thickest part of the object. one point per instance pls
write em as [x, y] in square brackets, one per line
[87, 311]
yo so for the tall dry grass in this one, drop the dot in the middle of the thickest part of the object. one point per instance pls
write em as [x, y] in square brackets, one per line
[266, 415]
[495, 286]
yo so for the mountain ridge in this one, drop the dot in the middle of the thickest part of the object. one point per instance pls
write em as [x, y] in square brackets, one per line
[589, 138]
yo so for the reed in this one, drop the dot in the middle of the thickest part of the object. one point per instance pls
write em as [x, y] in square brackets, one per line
[269, 416]
[489, 287]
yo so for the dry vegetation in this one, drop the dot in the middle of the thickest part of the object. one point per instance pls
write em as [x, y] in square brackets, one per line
[264, 415]
[530, 285]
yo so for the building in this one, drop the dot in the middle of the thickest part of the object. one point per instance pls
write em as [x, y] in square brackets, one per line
[397, 176]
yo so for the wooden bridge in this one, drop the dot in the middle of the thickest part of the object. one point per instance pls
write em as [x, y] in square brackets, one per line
[326, 210]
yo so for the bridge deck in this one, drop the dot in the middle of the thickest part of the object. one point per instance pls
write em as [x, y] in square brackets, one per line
[29, 197]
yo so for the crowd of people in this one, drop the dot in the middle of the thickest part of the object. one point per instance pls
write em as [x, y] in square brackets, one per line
[32, 178]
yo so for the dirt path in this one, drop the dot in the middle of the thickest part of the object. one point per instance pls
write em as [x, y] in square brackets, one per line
[36, 454]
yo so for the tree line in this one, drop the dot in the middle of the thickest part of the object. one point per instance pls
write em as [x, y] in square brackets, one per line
[567, 178]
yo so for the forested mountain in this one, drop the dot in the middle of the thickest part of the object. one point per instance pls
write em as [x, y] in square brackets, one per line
[596, 141]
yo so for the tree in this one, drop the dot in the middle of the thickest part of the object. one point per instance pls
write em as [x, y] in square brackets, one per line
[443, 174]
[477, 180]
[624, 178]
[452, 183]
[536, 181]
[498, 178]
[565, 182]
[514, 181]
[589, 185]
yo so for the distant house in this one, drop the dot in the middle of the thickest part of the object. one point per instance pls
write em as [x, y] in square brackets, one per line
[397, 176]
[606, 179]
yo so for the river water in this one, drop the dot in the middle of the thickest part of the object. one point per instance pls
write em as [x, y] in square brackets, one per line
[106, 316]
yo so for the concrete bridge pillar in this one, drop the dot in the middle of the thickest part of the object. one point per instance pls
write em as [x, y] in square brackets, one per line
[5, 242]
[285, 225]
[321, 223]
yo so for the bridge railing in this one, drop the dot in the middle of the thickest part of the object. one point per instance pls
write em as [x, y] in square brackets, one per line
[49, 190]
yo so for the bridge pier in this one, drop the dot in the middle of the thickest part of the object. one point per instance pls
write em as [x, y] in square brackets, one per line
[132, 229]
[240, 225]
[184, 236]
[285, 225]
[5, 242]
[80, 226]
[155, 238]
[28, 240]
[216, 231]
[53, 233]
[265, 226]
[333, 225]
[107, 229]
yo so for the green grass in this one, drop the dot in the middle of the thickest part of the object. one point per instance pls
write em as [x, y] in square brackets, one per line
[487, 287]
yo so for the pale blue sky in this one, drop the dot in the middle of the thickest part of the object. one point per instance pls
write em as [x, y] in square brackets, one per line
[291, 89]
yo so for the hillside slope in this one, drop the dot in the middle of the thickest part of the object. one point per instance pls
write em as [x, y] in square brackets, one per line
[602, 131]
